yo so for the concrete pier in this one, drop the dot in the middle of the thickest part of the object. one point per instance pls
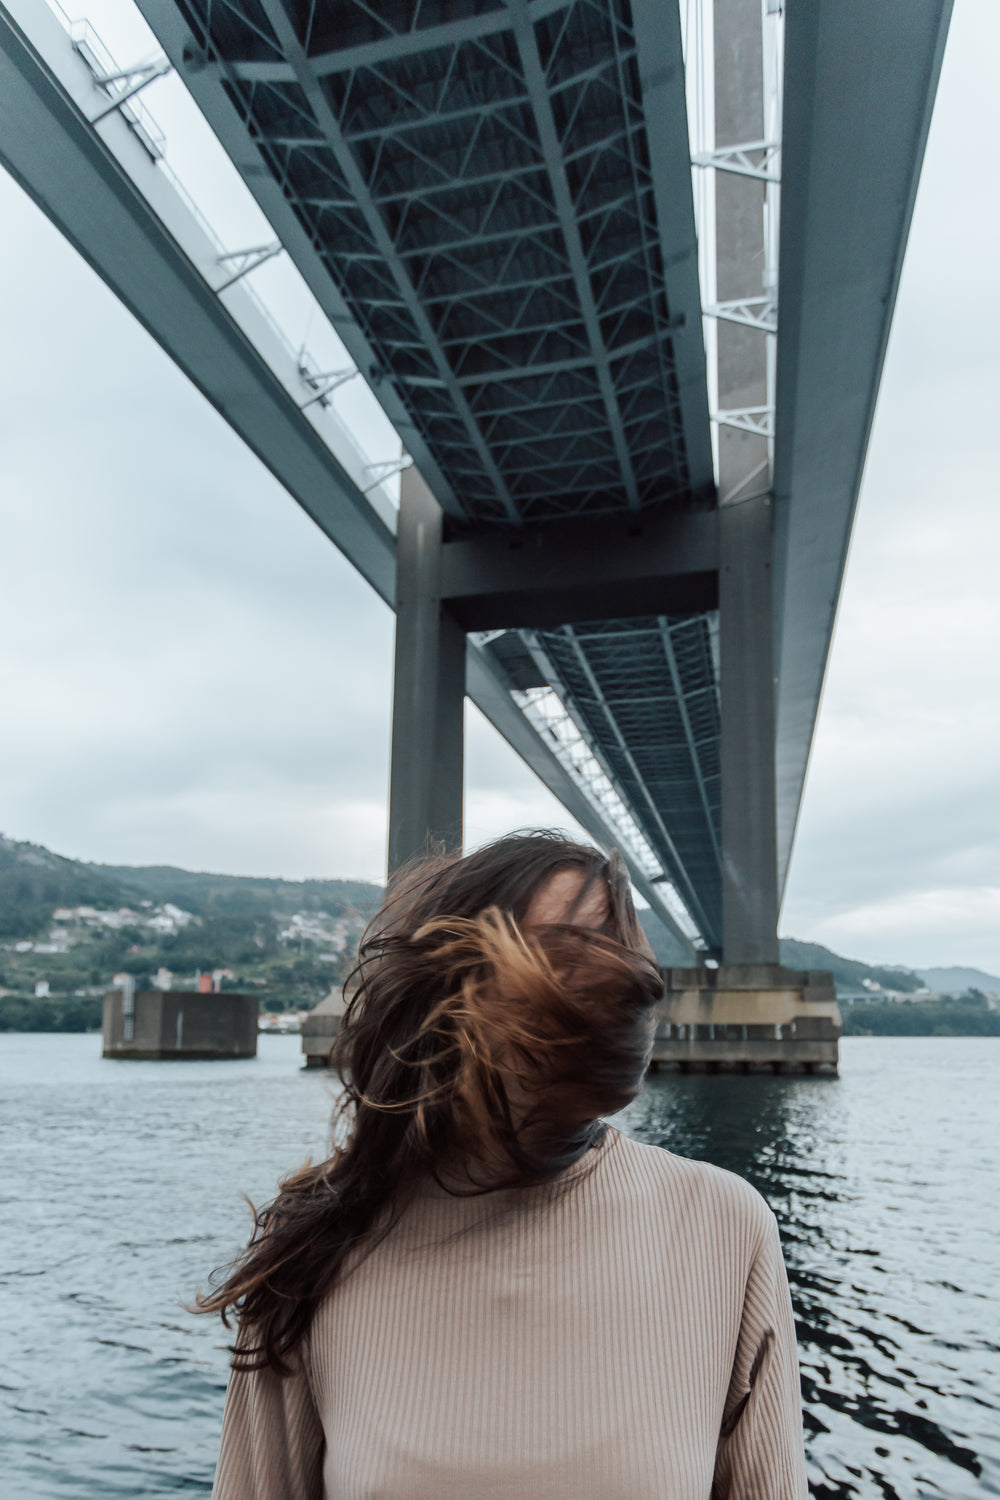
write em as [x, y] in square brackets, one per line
[748, 1018]
[737, 1018]
[319, 1030]
[158, 1024]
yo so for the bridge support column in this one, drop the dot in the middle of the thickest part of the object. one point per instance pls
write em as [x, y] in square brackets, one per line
[428, 696]
[746, 649]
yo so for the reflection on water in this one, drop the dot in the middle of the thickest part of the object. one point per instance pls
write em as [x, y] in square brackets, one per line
[120, 1186]
[884, 1185]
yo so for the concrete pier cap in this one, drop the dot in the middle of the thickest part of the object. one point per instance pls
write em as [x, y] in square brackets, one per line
[738, 1018]
[747, 1018]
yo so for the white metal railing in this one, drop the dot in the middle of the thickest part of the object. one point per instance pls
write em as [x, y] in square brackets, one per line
[103, 66]
[697, 19]
[697, 23]
[773, 50]
[356, 459]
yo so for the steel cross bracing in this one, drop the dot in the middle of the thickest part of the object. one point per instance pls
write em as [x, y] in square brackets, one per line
[502, 204]
[644, 693]
[478, 188]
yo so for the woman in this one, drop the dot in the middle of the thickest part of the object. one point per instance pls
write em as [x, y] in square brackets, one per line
[486, 1291]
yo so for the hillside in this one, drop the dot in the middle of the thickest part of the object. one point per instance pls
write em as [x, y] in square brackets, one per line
[954, 980]
[848, 973]
[67, 927]
[34, 881]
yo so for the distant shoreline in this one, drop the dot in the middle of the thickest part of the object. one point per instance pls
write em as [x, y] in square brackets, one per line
[966, 1016]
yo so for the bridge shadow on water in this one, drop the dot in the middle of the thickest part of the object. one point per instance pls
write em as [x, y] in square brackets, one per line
[895, 1368]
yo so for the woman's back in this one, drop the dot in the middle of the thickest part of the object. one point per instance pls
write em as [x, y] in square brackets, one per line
[485, 1293]
[585, 1341]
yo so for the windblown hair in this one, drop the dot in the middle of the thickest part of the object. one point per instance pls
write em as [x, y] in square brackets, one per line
[476, 1048]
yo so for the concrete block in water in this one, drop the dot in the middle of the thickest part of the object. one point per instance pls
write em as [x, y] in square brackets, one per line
[747, 1018]
[179, 1024]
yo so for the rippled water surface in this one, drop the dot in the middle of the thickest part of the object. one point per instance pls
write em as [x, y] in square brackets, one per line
[121, 1185]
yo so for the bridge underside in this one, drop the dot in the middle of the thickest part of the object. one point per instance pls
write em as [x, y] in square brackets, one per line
[494, 206]
[492, 203]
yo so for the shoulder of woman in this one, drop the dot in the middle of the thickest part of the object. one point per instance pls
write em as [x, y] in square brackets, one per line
[702, 1187]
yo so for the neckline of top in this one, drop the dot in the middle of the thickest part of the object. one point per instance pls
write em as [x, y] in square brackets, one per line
[584, 1166]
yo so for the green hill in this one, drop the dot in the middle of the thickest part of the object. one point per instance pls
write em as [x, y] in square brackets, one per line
[34, 881]
[848, 973]
[289, 939]
[956, 980]
[245, 895]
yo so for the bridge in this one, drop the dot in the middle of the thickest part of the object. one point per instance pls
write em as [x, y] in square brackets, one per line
[621, 275]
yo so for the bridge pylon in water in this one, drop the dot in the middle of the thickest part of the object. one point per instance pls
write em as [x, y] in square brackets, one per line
[748, 1012]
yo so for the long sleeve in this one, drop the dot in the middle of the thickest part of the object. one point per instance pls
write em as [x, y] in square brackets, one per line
[272, 1439]
[761, 1451]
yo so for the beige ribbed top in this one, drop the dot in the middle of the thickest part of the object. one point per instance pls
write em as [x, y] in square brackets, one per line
[629, 1338]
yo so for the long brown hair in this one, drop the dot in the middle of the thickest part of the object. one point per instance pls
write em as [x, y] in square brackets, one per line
[476, 1041]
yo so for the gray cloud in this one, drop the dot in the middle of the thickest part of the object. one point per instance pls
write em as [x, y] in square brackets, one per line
[193, 674]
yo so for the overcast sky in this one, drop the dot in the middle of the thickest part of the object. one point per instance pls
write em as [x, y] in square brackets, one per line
[191, 674]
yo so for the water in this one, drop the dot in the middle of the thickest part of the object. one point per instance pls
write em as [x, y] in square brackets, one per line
[121, 1184]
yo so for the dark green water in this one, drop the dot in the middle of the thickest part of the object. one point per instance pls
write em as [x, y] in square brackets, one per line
[120, 1186]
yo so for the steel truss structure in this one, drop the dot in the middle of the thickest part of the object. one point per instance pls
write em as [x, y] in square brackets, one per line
[478, 185]
[492, 202]
[646, 693]
[499, 200]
